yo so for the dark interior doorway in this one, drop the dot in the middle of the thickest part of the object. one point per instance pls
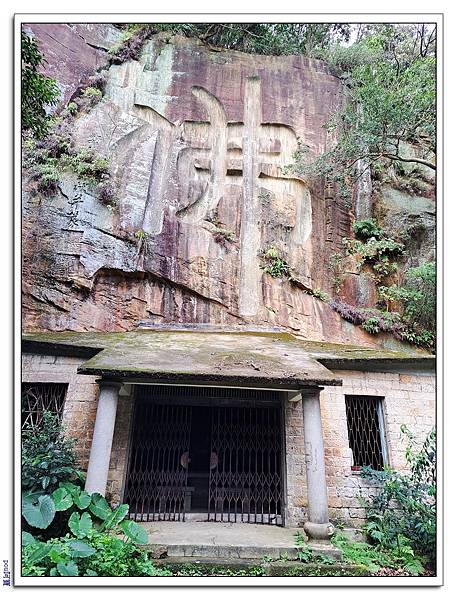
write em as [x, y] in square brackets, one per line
[200, 458]
[210, 451]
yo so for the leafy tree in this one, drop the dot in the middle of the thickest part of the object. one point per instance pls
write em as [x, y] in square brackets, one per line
[390, 109]
[259, 38]
[38, 91]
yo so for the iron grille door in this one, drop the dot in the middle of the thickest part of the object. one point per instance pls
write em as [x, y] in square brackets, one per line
[156, 487]
[245, 481]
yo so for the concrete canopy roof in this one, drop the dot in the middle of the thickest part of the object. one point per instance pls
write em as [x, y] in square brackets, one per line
[210, 356]
[230, 358]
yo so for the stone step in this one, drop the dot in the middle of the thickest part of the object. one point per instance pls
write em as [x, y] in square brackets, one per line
[221, 551]
[228, 540]
[229, 551]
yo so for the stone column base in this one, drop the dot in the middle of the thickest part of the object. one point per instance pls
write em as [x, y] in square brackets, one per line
[318, 531]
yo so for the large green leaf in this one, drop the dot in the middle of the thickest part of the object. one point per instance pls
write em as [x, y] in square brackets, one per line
[62, 499]
[39, 552]
[70, 487]
[27, 539]
[99, 507]
[38, 513]
[68, 569]
[80, 549]
[80, 526]
[117, 515]
[135, 532]
[82, 500]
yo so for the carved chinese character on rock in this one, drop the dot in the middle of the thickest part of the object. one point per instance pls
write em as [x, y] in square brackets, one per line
[216, 158]
[198, 144]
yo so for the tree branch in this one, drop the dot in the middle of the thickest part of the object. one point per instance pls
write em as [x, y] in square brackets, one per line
[420, 161]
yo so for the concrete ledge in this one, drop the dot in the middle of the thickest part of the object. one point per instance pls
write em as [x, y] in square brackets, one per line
[207, 566]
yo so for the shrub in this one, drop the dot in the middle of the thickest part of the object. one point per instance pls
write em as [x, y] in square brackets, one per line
[417, 302]
[132, 42]
[366, 229]
[89, 544]
[402, 515]
[48, 159]
[88, 551]
[375, 321]
[421, 309]
[72, 108]
[48, 458]
[321, 295]
[106, 193]
[274, 265]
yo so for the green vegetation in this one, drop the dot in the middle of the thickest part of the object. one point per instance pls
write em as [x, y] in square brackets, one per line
[222, 235]
[320, 294]
[267, 569]
[49, 158]
[390, 113]
[274, 265]
[408, 311]
[402, 515]
[48, 457]
[67, 531]
[374, 247]
[417, 297]
[140, 235]
[90, 550]
[92, 92]
[361, 553]
[38, 91]
[48, 147]
[307, 555]
[260, 38]
[366, 229]
[335, 266]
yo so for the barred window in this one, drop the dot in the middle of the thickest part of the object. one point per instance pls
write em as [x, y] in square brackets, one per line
[38, 398]
[365, 426]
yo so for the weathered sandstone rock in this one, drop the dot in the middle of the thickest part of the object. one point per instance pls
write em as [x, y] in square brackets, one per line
[198, 142]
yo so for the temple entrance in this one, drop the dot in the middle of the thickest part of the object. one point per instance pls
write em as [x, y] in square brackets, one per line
[214, 452]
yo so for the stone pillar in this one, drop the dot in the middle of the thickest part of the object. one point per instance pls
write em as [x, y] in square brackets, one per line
[97, 473]
[318, 526]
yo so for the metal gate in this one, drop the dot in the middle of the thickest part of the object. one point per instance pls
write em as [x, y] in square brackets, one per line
[245, 482]
[201, 447]
[158, 466]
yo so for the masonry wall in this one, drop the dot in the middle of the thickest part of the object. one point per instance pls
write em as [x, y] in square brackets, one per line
[80, 408]
[409, 399]
[80, 405]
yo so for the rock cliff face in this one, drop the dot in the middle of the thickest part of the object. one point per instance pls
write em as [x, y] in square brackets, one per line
[198, 141]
